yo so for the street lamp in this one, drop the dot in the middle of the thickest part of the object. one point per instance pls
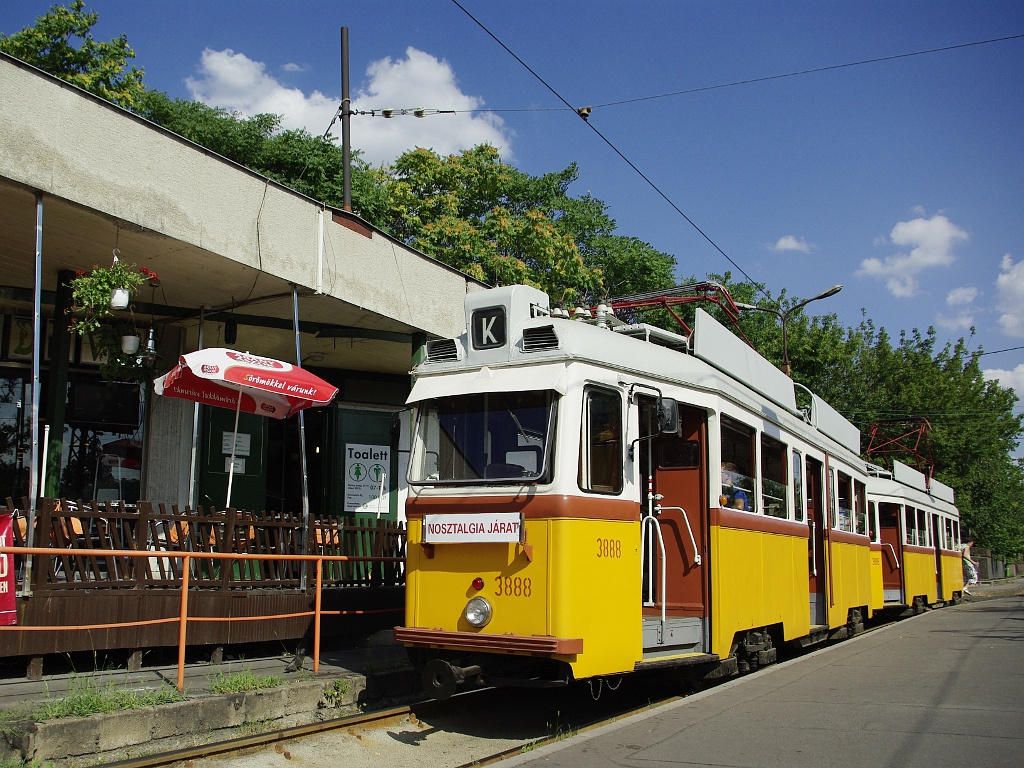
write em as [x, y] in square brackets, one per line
[784, 317]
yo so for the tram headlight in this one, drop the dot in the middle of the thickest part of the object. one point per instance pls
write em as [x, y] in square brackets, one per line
[478, 612]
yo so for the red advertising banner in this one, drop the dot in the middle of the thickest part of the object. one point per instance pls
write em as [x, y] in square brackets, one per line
[8, 608]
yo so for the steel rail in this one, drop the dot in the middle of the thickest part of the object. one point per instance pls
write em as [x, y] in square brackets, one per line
[259, 740]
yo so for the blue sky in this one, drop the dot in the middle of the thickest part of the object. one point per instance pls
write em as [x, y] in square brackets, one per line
[901, 179]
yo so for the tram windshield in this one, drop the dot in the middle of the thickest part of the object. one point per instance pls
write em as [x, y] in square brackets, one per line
[483, 438]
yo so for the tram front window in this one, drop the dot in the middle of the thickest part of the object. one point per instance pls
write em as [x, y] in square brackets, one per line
[483, 438]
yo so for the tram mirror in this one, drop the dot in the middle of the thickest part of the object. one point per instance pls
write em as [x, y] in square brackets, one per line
[668, 416]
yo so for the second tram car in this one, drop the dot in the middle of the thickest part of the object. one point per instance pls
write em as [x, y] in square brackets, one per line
[593, 498]
[919, 539]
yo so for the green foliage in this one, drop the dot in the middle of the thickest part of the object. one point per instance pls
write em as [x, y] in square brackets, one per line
[243, 681]
[85, 698]
[869, 376]
[485, 218]
[62, 44]
[90, 292]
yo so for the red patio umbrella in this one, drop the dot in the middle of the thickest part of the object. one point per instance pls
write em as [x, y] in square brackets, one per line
[244, 382]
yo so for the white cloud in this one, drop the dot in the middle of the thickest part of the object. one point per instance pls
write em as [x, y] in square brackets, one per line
[962, 299]
[960, 322]
[1010, 296]
[1013, 379]
[236, 82]
[963, 295]
[291, 66]
[792, 243]
[420, 80]
[931, 243]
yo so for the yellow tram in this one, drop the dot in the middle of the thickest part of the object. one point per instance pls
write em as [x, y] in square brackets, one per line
[589, 498]
[920, 564]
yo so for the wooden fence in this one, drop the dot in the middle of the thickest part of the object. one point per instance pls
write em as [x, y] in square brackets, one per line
[68, 529]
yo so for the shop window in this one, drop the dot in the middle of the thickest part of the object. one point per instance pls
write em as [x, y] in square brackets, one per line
[600, 468]
[737, 466]
[773, 477]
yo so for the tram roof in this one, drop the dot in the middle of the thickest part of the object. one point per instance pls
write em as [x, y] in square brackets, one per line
[513, 328]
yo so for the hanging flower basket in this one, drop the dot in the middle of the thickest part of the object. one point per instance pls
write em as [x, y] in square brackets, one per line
[93, 293]
[117, 349]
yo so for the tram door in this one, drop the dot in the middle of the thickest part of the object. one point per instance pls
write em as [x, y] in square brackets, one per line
[816, 517]
[889, 515]
[937, 543]
[679, 470]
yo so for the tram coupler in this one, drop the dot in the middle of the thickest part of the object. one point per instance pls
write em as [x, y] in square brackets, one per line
[441, 679]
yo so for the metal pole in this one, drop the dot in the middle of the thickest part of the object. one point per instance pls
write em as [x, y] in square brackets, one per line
[37, 310]
[346, 112]
[192, 501]
[304, 547]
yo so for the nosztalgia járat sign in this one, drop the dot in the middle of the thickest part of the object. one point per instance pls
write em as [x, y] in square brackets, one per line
[493, 527]
[366, 470]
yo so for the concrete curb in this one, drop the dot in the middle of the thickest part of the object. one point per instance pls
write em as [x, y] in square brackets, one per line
[209, 717]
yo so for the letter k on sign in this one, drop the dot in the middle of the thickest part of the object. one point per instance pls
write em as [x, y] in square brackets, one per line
[489, 328]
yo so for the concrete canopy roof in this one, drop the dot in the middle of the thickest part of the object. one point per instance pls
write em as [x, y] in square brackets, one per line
[218, 235]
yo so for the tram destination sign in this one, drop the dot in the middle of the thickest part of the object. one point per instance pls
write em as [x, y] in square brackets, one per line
[463, 529]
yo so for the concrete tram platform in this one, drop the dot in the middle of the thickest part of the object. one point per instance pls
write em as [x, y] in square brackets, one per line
[376, 673]
[945, 688]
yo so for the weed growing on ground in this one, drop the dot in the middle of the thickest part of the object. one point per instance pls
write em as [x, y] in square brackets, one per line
[242, 682]
[254, 727]
[85, 698]
[334, 692]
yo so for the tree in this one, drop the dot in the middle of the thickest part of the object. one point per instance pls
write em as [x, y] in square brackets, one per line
[62, 44]
[486, 218]
[868, 376]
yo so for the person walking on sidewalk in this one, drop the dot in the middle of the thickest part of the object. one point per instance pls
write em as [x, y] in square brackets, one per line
[970, 566]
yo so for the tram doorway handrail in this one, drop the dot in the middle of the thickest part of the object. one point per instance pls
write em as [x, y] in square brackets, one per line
[183, 619]
[651, 521]
[696, 552]
[893, 550]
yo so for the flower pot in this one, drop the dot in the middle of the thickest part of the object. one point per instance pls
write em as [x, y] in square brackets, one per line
[129, 344]
[119, 298]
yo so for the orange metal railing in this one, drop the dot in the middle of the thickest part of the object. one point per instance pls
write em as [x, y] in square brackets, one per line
[183, 618]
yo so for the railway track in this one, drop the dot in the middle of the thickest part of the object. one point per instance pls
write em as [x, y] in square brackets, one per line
[477, 728]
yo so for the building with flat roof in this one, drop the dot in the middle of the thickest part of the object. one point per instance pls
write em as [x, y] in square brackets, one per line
[238, 256]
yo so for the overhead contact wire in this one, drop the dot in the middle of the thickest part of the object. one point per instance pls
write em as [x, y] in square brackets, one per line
[612, 146]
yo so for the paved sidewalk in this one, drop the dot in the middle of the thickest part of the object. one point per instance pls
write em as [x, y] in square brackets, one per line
[942, 689]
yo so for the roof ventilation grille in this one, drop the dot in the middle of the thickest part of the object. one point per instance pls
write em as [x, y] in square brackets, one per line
[540, 338]
[442, 351]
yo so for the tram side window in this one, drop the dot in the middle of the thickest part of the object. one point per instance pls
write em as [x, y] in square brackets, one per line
[873, 522]
[860, 506]
[737, 466]
[773, 476]
[956, 534]
[798, 485]
[833, 504]
[949, 533]
[601, 451]
[910, 518]
[922, 528]
[846, 503]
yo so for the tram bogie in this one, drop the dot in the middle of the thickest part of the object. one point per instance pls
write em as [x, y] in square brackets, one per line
[591, 499]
